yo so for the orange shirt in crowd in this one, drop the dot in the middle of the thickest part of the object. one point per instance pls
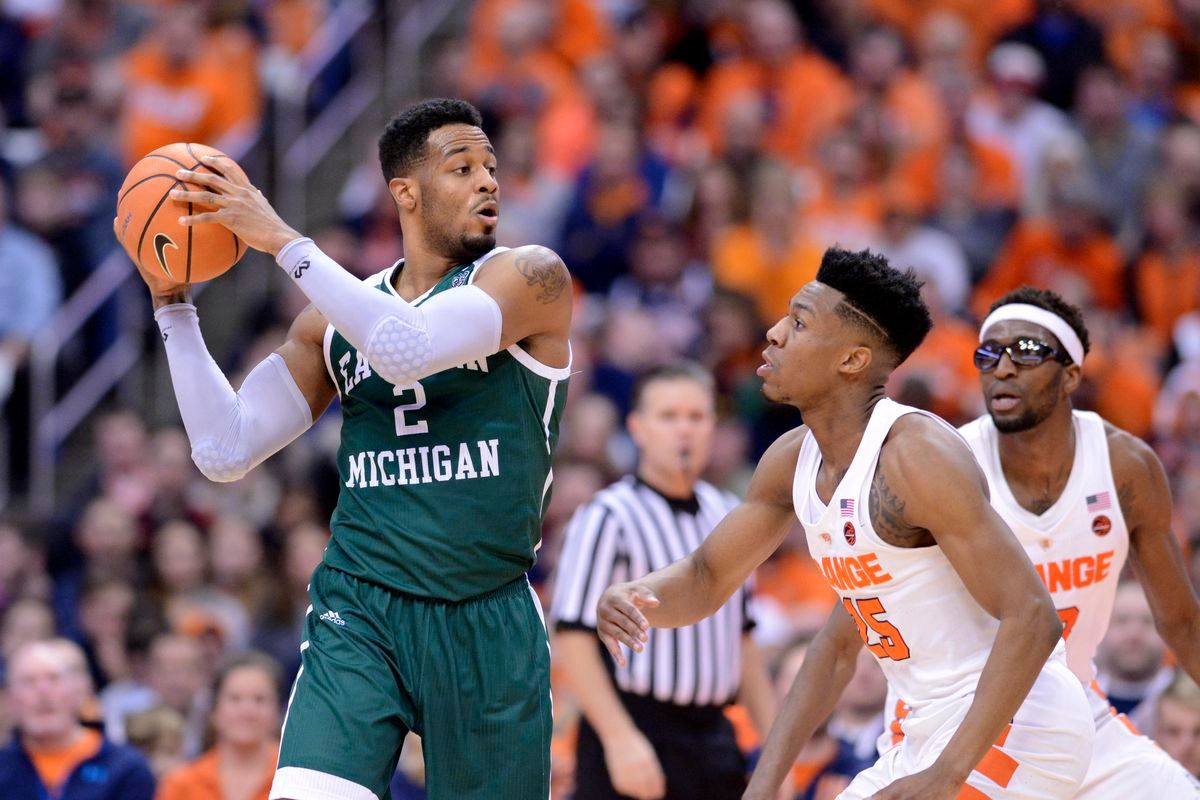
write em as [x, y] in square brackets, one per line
[850, 218]
[914, 112]
[201, 780]
[794, 581]
[199, 102]
[1126, 385]
[996, 180]
[291, 24]
[795, 123]
[579, 32]
[1035, 254]
[946, 359]
[742, 261]
[55, 766]
[1124, 21]
[1166, 290]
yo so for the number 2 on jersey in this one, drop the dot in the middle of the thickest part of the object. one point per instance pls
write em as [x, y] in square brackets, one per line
[403, 427]
[868, 613]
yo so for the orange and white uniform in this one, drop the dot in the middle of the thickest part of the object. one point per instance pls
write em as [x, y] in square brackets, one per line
[1079, 546]
[932, 639]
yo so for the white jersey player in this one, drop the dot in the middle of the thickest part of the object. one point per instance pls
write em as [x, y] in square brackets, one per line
[932, 581]
[1077, 492]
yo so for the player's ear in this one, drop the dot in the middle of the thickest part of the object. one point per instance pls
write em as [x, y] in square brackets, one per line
[1072, 377]
[633, 424]
[405, 192]
[856, 360]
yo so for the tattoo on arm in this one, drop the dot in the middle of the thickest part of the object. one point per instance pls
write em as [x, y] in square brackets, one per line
[542, 268]
[887, 516]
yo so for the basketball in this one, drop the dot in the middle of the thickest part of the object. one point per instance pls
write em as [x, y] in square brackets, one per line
[147, 223]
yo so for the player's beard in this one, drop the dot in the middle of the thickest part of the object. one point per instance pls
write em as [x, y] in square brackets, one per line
[462, 246]
[1032, 416]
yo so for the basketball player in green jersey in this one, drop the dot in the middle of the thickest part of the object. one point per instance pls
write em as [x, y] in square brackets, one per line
[451, 366]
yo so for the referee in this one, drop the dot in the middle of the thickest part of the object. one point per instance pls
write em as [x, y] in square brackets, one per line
[656, 728]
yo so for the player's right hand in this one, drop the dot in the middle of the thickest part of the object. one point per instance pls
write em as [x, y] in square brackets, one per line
[620, 620]
[633, 767]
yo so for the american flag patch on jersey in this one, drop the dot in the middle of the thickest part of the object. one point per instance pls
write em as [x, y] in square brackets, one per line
[847, 507]
[1098, 502]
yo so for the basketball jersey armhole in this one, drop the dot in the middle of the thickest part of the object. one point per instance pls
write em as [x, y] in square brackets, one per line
[538, 368]
[327, 352]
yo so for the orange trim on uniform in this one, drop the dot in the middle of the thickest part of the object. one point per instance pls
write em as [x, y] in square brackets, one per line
[998, 765]
[1004, 736]
[969, 792]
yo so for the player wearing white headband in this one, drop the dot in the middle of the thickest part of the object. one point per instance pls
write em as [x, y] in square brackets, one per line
[1081, 495]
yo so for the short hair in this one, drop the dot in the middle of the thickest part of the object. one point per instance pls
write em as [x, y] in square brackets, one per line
[402, 143]
[673, 371]
[1052, 302]
[878, 297]
[1183, 690]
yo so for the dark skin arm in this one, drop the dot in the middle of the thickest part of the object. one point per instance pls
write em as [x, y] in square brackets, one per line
[1145, 498]
[937, 487]
[828, 666]
[696, 586]
[530, 284]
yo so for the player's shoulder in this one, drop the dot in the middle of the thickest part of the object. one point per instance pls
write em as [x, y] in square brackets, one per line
[924, 449]
[529, 259]
[1127, 453]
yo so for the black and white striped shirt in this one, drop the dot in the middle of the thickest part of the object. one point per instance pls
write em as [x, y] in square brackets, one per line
[629, 530]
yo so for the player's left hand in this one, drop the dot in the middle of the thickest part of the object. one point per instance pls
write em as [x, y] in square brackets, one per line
[238, 205]
[928, 784]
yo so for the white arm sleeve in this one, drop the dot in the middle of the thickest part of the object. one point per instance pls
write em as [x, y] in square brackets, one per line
[231, 432]
[402, 342]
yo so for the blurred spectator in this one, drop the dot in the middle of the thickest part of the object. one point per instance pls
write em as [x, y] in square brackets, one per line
[1070, 253]
[27, 620]
[935, 256]
[53, 754]
[106, 537]
[1130, 658]
[662, 281]
[1065, 38]
[621, 182]
[105, 609]
[942, 369]
[22, 567]
[535, 195]
[847, 205]
[1167, 274]
[857, 720]
[177, 674]
[995, 184]
[1120, 155]
[185, 83]
[1013, 117]
[826, 764]
[767, 257]
[239, 763]
[158, 734]
[1177, 722]
[776, 66]
[236, 563]
[280, 629]
[1154, 79]
[30, 293]
[897, 110]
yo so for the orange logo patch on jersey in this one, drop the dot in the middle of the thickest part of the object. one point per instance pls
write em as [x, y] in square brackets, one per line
[849, 532]
[1101, 525]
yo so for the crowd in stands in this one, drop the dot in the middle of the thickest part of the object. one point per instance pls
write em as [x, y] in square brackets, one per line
[690, 161]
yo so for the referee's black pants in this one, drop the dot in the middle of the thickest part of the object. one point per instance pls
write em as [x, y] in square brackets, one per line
[695, 746]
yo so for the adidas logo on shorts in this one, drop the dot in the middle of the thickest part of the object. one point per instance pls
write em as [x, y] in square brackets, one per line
[332, 616]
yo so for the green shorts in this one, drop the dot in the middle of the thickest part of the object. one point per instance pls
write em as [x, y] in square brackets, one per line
[472, 679]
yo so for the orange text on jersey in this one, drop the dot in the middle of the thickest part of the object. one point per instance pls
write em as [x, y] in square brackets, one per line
[854, 572]
[1075, 573]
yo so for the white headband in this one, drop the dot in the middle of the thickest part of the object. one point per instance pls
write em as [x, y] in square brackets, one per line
[1023, 312]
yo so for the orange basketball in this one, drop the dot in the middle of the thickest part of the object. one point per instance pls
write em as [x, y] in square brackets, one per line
[148, 226]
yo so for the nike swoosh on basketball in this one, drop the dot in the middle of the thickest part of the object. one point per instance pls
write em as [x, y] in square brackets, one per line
[161, 242]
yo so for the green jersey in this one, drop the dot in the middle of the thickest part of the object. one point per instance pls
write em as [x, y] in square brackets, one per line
[443, 483]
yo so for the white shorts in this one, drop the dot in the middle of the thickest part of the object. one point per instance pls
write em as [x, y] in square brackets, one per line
[1128, 766]
[1043, 754]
